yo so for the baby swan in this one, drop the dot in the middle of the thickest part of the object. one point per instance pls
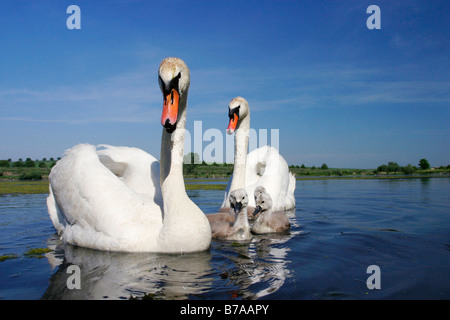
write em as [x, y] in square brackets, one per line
[240, 228]
[268, 221]
[256, 193]
[227, 214]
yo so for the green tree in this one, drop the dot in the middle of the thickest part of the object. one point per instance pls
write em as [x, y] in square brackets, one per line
[424, 164]
[18, 164]
[29, 163]
[393, 167]
[4, 163]
[30, 175]
[324, 167]
[390, 167]
[409, 169]
[191, 158]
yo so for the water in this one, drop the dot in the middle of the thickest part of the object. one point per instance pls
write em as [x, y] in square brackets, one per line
[340, 228]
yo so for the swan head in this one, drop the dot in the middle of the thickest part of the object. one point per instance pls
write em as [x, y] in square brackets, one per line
[237, 110]
[263, 202]
[174, 80]
[238, 200]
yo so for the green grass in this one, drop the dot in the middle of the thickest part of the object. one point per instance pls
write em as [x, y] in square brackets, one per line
[24, 187]
[36, 252]
[191, 186]
[8, 256]
[30, 253]
[41, 186]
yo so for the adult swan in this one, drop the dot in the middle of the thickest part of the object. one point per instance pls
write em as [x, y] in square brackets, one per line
[90, 206]
[261, 167]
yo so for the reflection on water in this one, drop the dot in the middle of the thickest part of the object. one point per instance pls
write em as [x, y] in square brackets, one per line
[250, 269]
[339, 228]
[113, 275]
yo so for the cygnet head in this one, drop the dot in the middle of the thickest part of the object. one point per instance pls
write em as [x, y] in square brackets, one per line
[237, 110]
[174, 80]
[263, 202]
[238, 200]
[258, 191]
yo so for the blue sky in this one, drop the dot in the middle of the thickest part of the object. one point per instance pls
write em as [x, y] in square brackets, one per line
[339, 93]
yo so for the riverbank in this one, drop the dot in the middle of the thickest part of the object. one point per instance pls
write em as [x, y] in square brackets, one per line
[40, 170]
[41, 186]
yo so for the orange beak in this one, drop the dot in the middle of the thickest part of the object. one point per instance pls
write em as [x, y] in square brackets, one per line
[233, 123]
[170, 110]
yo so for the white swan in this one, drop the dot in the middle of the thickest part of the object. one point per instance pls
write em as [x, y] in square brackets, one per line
[268, 221]
[261, 167]
[239, 229]
[91, 206]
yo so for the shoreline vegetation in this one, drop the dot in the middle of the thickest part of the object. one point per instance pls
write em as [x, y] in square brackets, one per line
[31, 177]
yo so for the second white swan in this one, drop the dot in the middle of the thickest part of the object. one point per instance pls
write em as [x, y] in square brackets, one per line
[261, 167]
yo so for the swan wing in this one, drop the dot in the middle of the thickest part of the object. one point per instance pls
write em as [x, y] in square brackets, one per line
[95, 208]
[266, 167]
[138, 169]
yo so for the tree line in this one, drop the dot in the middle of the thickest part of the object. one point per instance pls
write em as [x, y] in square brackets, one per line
[409, 169]
[26, 170]
[193, 167]
[390, 167]
[28, 163]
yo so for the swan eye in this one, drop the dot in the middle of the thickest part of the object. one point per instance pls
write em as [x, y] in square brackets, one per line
[233, 111]
[173, 84]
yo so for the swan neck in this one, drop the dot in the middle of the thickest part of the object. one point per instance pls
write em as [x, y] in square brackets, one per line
[172, 148]
[266, 214]
[240, 154]
[185, 227]
[241, 219]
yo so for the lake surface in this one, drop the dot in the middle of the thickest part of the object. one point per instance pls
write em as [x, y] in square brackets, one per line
[339, 229]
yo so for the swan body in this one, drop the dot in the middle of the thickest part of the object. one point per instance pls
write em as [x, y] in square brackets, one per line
[99, 200]
[261, 167]
[269, 221]
[239, 229]
[224, 214]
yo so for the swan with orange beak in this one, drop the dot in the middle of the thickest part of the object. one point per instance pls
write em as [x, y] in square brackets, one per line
[233, 113]
[171, 81]
[263, 166]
